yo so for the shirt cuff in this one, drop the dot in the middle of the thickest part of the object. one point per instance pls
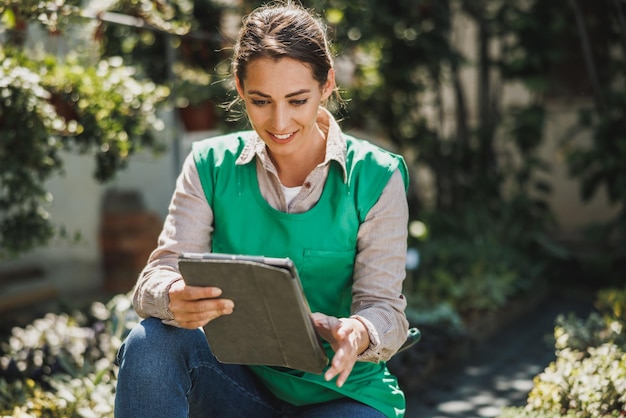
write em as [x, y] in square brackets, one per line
[168, 317]
[370, 354]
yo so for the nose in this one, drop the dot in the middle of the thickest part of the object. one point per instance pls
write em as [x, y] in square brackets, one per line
[280, 118]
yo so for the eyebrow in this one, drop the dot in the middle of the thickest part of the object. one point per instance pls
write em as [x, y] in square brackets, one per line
[295, 93]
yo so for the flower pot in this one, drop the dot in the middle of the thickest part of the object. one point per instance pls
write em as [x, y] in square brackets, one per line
[63, 108]
[200, 117]
[128, 234]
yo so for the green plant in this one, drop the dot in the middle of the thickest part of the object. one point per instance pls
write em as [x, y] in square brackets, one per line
[571, 332]
[441, 315]
[62, 365]
[116, 112]
[62, 397]
[112, 115]
[591, 386]
[144, 47]
[193, 86]
[193, 35]
[599, 165]
[480, 289]
[478, 259]
[444, 337]
[606, 326]
[519, 412]
[52, 14]
[588, 378]
[31, 134]
[612, 302]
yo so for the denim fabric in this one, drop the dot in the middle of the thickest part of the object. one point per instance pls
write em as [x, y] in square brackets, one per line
[170, 372]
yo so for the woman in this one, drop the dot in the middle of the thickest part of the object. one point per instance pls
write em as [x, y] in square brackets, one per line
[294, 186]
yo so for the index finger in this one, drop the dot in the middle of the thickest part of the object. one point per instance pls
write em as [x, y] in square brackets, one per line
[200, 292]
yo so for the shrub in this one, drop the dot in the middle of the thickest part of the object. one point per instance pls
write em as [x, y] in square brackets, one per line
[579, 334]
[107, 113]
[588, 378]
[592, 384]
[518, 412]
[612, 302]
[30, 133]
[62, 365]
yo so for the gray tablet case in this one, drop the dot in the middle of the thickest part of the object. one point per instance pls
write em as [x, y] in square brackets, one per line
[271, 323]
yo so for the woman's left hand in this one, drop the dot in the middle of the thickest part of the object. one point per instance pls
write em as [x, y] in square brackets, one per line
[348, 337]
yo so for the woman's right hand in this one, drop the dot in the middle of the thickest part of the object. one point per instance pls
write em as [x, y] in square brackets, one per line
[195, 306]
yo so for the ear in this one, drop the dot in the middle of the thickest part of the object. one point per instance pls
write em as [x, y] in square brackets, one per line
[329, 86]
[239, 86]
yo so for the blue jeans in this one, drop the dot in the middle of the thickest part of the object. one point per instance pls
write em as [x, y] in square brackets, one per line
[170, 372]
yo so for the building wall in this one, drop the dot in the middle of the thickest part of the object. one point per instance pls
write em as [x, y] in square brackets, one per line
[572, 214]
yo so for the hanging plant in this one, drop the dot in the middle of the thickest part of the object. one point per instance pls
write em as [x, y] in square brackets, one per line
[116, 114]
[30, 140]
[112, 115]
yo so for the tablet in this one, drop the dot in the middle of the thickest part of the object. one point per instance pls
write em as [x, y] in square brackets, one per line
[271, 324]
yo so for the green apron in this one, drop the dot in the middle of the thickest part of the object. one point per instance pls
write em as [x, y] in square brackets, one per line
[322, 243]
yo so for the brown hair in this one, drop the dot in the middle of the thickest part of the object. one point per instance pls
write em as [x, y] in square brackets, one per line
[283, 30]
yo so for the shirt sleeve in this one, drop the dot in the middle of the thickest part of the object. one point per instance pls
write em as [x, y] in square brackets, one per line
[379, 272]
[187, 227]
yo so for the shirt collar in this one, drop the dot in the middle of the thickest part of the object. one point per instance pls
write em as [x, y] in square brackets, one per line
[335, 144]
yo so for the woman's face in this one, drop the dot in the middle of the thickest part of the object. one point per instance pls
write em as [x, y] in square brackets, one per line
[282, 100]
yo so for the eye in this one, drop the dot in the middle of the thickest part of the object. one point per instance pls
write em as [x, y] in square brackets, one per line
[259, 102]
[299, 102]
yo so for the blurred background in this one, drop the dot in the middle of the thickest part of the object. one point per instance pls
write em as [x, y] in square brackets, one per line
[511, 115]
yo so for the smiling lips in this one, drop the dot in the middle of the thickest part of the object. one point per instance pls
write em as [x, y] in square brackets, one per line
[283, 138]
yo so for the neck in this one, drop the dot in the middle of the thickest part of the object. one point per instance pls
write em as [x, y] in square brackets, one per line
[294, 169]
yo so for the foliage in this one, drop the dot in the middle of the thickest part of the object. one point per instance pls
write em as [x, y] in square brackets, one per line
[477, 290]
[145, 47]
[612, 302]
[400, 79]
[519, 412]
[444, 338]
[442, 316]
[115, 111]
[63, 365]
[593, 385]
[588, 378]
[173, 17]
[488, 220]
[477, 260]
[111, 115]
[52, 14]
[600, 164]
[577, 334]
[49, 104]
[407, 84]
[31, 132]
[193, 86]
[602, 327]
[196, 49]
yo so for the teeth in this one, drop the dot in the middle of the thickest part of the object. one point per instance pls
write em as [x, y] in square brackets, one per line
[283, 136]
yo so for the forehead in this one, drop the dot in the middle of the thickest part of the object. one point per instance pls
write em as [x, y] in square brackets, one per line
[275, 77]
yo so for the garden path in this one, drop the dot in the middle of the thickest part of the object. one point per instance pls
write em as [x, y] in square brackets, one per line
[500, 372]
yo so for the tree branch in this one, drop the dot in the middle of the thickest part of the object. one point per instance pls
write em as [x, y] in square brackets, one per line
[588, 57]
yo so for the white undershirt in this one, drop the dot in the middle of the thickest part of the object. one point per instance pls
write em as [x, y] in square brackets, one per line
[290, 192]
